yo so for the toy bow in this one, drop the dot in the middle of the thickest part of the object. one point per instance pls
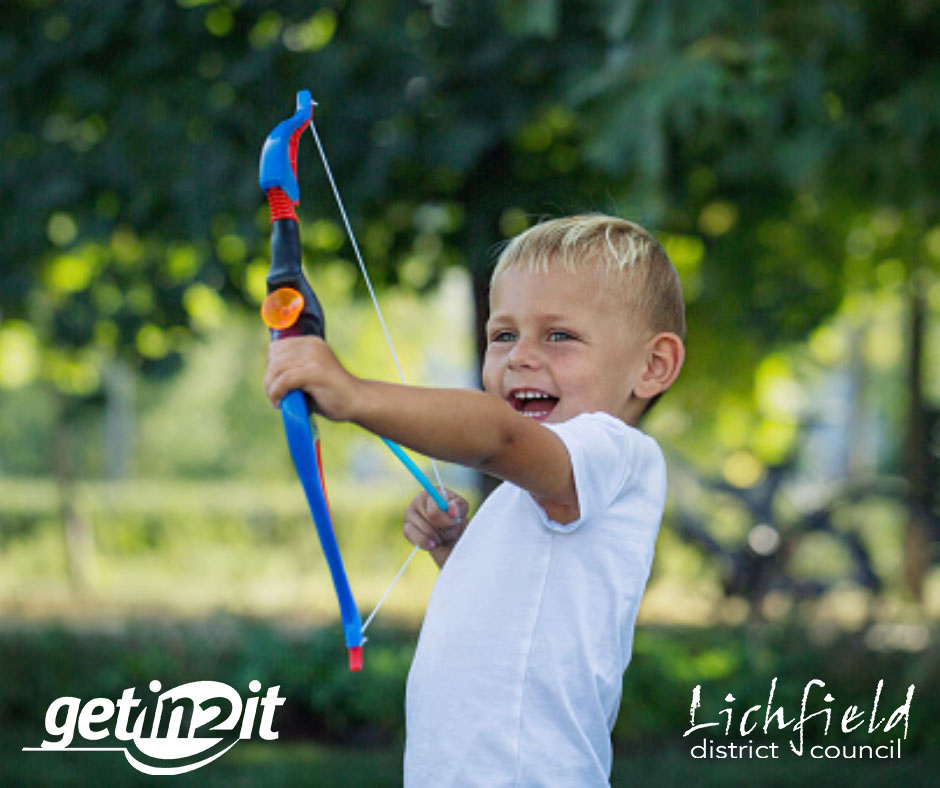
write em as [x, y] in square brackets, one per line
[291, 309]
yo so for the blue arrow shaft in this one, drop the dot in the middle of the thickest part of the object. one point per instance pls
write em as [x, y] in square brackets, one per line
[415, 471]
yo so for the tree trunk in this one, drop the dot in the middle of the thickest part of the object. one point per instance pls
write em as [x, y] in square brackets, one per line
[118, 418]
[77, 531]
[917, 543]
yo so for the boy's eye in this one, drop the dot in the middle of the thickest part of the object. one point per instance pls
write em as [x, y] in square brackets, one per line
[559, 336]
[503, 336]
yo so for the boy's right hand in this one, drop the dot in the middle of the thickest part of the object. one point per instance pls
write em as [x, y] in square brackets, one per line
[427, 527]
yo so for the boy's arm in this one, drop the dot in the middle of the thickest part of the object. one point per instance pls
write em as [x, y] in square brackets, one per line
[458, 425]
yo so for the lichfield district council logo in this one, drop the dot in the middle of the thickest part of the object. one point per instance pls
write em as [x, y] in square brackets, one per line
[172, 732]
[754, 725]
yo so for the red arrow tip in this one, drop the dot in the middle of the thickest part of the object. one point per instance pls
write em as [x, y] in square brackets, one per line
[355, 658]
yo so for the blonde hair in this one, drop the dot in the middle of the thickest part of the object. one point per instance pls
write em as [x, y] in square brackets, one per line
[629, 252]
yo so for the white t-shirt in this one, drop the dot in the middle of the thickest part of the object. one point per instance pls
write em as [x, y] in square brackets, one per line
[519, 667]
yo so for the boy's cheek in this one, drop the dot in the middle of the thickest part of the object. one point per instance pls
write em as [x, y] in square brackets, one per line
[490, 379]
[495, 361]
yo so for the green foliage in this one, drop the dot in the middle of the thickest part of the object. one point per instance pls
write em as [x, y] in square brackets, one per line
[787, 157]
[324, 699]
[667, 664]
[327, 703]
[712, 119]
[185, 549]
[212, 420]
[786, 154]
[249, 763]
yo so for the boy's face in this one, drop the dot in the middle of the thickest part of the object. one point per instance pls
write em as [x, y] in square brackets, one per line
[560, 344]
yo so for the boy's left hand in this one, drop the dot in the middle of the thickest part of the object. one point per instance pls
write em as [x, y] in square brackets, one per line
[427, 527]
[308, 363]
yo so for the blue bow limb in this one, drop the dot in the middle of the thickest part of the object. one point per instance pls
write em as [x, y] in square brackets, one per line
[303, 442]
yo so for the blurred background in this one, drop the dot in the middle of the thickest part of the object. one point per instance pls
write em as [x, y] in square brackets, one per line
[151, 525]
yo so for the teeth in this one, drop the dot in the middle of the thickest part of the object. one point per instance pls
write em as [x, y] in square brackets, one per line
[531, 395]
[529, 415]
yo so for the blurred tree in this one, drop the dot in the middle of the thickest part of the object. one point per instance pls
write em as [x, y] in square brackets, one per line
[783, 150]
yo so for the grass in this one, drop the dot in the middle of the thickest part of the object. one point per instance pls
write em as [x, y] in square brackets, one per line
[192, 549]
[321, 766]
[181, 596]
[338, 730]
[246, 764]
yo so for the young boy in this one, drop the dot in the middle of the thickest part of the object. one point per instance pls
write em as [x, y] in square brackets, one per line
[518, 671]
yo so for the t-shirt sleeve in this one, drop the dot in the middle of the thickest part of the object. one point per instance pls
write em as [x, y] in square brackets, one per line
[604, 453]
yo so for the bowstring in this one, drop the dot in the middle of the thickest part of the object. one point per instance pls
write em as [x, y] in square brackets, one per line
[388, 339]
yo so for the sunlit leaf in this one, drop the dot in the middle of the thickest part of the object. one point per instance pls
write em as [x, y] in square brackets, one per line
[19, 354]
[204, 306]
[61, 229]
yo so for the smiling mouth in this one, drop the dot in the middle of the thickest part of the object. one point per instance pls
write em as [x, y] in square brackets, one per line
[532, 403]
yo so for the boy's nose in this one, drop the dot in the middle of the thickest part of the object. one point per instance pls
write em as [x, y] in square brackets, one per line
[524, 354]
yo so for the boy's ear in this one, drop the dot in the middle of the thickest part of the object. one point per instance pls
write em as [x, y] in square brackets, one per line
[665, 355]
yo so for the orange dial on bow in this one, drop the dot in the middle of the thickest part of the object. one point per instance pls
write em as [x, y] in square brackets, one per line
[281, 308]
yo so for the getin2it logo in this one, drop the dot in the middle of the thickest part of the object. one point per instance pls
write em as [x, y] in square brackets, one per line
[175, 731]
